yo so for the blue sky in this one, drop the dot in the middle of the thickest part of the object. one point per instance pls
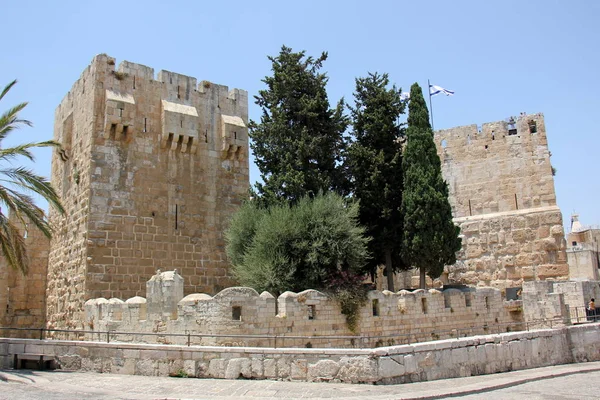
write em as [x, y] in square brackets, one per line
[501, 58]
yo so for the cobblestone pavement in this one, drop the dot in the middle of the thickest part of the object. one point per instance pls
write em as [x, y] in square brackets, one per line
[561, 382]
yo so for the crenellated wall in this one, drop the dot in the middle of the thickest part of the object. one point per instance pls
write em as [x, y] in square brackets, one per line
[420, 315]
[150, 172]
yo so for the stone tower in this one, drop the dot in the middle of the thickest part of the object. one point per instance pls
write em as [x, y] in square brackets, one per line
[151, 170]
[502, 195]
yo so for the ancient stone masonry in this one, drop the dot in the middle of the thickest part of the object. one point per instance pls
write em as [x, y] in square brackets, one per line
[23, 298]
[388, 318]
[150, 171]
[562, 301]
[502, 196]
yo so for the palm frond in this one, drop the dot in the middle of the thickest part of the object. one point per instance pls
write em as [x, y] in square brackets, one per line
[10, 153]
[7, 88]
[12, 244]
[15, 183]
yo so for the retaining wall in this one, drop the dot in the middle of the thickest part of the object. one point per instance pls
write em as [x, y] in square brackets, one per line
[441, 359]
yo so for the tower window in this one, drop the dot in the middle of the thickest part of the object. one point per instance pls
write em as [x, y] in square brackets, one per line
[532, 126]
[236, 313]
[311, 312]
[375, 304]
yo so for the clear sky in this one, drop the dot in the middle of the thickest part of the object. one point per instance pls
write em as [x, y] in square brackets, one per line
[501, 58]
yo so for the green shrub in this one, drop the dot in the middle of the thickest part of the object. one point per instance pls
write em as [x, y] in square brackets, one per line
[296, 247]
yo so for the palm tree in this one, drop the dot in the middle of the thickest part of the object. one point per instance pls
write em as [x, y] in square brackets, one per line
[15, 185]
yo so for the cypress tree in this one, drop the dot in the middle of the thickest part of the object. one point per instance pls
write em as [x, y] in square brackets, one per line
[375, 164]
[431, 239]
[299, 141]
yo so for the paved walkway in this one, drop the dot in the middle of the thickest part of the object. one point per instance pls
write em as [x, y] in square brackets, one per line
[51, 385]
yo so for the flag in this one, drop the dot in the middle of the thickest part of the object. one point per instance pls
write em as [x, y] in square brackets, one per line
[404, 96]
[433, 90]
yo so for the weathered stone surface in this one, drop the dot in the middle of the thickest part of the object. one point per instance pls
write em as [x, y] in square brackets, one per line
[216, 368]
[323, 370]
[69, 362]
[357, 370]
[299, 369]
[390, 367]
[238, 367]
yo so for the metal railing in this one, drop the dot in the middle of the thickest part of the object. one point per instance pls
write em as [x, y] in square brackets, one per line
[278, 341]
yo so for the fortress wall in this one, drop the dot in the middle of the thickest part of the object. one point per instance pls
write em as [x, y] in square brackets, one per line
[507, 249]
[23, 297]
[161, 164]
[420, 316]
[500, 167]
[67, 265]
[502, 195]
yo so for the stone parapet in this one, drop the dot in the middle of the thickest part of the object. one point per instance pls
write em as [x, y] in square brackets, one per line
[386, 318]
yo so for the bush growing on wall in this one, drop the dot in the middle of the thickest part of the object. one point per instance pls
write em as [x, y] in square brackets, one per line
[297, 247]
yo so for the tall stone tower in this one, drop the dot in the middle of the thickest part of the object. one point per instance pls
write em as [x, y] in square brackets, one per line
[502, 195]
[150, 172]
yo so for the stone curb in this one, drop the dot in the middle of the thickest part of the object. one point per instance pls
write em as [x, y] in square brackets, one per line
[492, 387]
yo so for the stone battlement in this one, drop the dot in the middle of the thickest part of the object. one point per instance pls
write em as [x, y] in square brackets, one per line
[420, 315]
[523, 128]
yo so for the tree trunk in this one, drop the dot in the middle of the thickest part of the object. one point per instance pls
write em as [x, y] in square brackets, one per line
[388, 268]
[422, 283]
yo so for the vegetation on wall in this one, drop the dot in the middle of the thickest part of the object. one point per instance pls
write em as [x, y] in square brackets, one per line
[306, 245]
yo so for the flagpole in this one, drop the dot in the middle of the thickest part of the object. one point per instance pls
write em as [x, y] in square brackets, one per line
[430, 105]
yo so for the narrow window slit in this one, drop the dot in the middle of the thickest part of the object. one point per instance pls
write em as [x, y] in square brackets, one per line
[311, 312]
[236, 313]
[375, 304]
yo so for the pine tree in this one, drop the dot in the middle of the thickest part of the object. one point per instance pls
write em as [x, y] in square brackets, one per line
[299, 141]
[431, 239]
[375, 164]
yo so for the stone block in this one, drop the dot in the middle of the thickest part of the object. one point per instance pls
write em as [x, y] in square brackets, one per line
[270, 368]
[390, 367]
[299, 369]
[238, 368]
[323, 370]
[257, 368]
[216, 368]
[553, 270]
[358, 370]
